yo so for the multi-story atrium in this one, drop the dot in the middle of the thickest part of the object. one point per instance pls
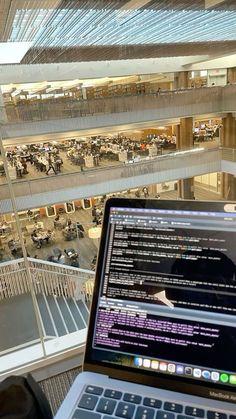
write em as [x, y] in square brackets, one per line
[99, 98]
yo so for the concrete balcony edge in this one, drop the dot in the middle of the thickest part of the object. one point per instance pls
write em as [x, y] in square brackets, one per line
[63, 188]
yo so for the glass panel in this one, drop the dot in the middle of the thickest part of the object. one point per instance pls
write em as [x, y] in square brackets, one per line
[19, 327]
[20, 341]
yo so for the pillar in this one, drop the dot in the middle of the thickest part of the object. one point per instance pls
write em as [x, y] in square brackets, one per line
[3, 114]
[228, 140]
[231, 75]
[186, 133]
[181, 80]
[186, 188]
[184, 140]
[228, 137]
[228, 187]
[84, 93]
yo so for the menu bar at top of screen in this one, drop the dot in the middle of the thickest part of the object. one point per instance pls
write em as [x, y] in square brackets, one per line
[146, 211]
[166, 221]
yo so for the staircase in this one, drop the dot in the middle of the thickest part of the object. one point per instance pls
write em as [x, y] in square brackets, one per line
[60, 315]
[63, 295]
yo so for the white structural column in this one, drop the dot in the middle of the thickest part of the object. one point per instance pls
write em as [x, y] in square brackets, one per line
[228, 140]
[3, 115]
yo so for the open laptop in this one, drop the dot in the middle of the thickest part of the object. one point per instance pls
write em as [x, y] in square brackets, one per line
[162, 333]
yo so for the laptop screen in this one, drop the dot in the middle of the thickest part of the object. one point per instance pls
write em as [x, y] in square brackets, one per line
[165, 294]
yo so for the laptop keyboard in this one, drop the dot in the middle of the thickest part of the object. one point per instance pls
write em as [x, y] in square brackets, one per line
[104, 403]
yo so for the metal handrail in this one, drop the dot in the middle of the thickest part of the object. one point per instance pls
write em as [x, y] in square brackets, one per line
[60, 282]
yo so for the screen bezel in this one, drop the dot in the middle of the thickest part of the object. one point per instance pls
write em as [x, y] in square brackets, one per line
[155, 379]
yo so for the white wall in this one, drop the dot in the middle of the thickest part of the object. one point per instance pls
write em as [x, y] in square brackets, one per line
[93, 69]
[209, 180]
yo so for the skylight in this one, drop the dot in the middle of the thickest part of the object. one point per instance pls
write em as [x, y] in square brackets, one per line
[77, 27]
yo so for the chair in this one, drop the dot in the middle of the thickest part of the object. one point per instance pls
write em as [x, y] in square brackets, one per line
[2, 170]
[37, 241]
[57, 252]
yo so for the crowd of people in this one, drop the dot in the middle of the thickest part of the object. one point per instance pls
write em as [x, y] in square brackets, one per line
[49, 157]
[94, 151]
[43, 158]
[206, 132]
[120, 148]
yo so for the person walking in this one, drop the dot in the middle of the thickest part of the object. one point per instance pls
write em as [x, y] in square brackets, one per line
[50, 166]
[81, 163]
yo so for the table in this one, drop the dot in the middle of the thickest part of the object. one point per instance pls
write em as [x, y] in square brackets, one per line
[152, 150]
[31, 227]
[123, 156]
[71, 253]
[89, 161]
[95, 234]
[12, 172]
[60, 224]
[43, 235]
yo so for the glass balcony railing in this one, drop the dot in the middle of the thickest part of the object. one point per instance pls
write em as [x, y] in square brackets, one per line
[118, 177]
[72, 167]
[228, 154]
[67, 107]
[44, 310]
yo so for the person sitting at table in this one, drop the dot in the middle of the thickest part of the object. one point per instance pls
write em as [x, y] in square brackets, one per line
[56, 220]
[48, 236]
[37, 225]
[30, 214]
[97, 219]
[36, 239]
[69, 233]
[94, 210]
[24, 164]
[69, 223]
[79, 226]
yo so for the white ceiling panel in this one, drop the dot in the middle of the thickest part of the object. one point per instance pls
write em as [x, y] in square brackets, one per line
[13, 52]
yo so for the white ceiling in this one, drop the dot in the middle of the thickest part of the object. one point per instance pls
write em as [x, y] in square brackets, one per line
[107, 38]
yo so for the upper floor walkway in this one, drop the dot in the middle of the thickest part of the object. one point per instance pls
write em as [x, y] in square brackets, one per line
[76, 115]
[37, 192]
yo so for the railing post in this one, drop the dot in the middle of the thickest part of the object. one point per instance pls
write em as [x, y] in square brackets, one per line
[18, 227]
